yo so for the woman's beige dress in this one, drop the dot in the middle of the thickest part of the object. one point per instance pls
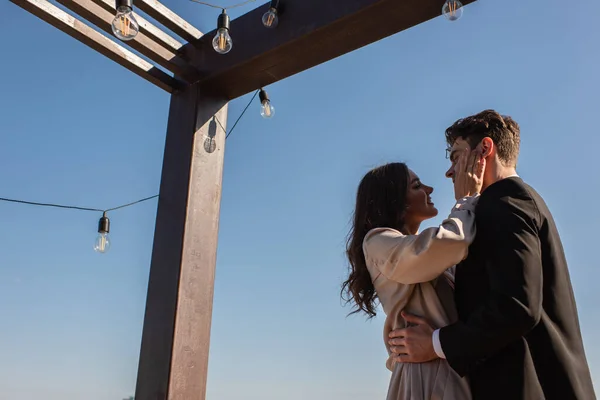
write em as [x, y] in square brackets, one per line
[415, 273]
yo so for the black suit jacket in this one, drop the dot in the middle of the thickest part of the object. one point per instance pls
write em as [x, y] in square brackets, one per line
[518, 334]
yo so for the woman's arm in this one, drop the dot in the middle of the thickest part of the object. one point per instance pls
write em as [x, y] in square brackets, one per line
[420, 258]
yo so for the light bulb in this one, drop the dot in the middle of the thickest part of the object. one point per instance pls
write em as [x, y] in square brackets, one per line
[452, 10]
[270, 18]
[266, 108]
[124, 26]
[102, 243]
[222, 42]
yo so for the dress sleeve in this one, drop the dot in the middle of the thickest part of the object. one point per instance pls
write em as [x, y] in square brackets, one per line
[411, 259]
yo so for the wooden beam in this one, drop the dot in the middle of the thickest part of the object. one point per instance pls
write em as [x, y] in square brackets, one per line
[169, 19]
[310, 32]
[176, 335]
[80, 31]
[148, 29]
[142, 43]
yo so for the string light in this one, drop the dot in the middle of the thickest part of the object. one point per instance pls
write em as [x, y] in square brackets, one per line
[266, 108]
[221, 7]
[452, 10]
[222, 42]
[125, 26]
[102, 243]
[270, 19]
[240, 117]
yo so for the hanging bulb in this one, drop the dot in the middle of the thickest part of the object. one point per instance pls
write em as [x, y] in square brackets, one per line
[124, 26]
[222, 42]
[102, 243]
[102, 240]
[266, 108]
[452, 10]
[270, 19]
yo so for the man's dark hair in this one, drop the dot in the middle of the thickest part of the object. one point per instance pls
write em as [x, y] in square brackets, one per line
[502, 129]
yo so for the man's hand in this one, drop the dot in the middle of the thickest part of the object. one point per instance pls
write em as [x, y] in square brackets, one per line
[413, 344]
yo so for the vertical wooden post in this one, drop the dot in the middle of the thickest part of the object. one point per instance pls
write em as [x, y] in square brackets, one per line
[176, 335]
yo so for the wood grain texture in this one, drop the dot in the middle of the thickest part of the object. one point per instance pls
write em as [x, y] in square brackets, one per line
[169, 19]
[142, 43]
[310, 32]
[189, 365]
[176, 334]
[85, 34]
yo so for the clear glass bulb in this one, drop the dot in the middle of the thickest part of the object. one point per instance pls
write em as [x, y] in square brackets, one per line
[124, 26]
[270, 18]
[102, 243]
[267, 110]
[222, 42]
[452, 10]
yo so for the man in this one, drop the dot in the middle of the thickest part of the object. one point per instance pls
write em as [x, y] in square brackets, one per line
[518, 335]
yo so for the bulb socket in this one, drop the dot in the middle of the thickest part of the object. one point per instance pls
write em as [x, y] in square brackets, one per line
[275, 5]
[263, 96]
[124, 3]
[223, 21]
[104, 224]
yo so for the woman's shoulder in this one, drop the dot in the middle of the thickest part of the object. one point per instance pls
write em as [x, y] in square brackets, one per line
[380, 239]
[382, 232]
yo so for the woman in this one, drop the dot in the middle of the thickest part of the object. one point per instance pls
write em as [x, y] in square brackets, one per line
[410, 271]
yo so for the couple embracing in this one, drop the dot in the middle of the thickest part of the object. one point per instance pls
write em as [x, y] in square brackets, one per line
[480, 307]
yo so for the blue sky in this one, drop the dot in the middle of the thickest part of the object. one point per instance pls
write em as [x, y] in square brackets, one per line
[77, 128]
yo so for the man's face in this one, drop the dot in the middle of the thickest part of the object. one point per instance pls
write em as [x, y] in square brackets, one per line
[457, 148]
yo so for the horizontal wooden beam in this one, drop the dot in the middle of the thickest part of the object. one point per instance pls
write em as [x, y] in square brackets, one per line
[102, 18]
[85, 34]
[310, 32]
[169, 19]
[147, 28]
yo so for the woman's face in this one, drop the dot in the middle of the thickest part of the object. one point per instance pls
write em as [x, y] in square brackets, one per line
[419, 206]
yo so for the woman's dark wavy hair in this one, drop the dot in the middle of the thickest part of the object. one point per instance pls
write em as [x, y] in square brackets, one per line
[380, 202]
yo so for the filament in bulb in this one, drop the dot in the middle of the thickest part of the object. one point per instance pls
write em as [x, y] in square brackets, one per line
[222, 41]
[267, 110]
[452, 8]
[124, 25]
[270, 19]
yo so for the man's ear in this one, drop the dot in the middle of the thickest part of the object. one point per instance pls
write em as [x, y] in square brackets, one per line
[486, 146]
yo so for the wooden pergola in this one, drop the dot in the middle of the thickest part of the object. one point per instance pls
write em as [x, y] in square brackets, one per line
[174, 352]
